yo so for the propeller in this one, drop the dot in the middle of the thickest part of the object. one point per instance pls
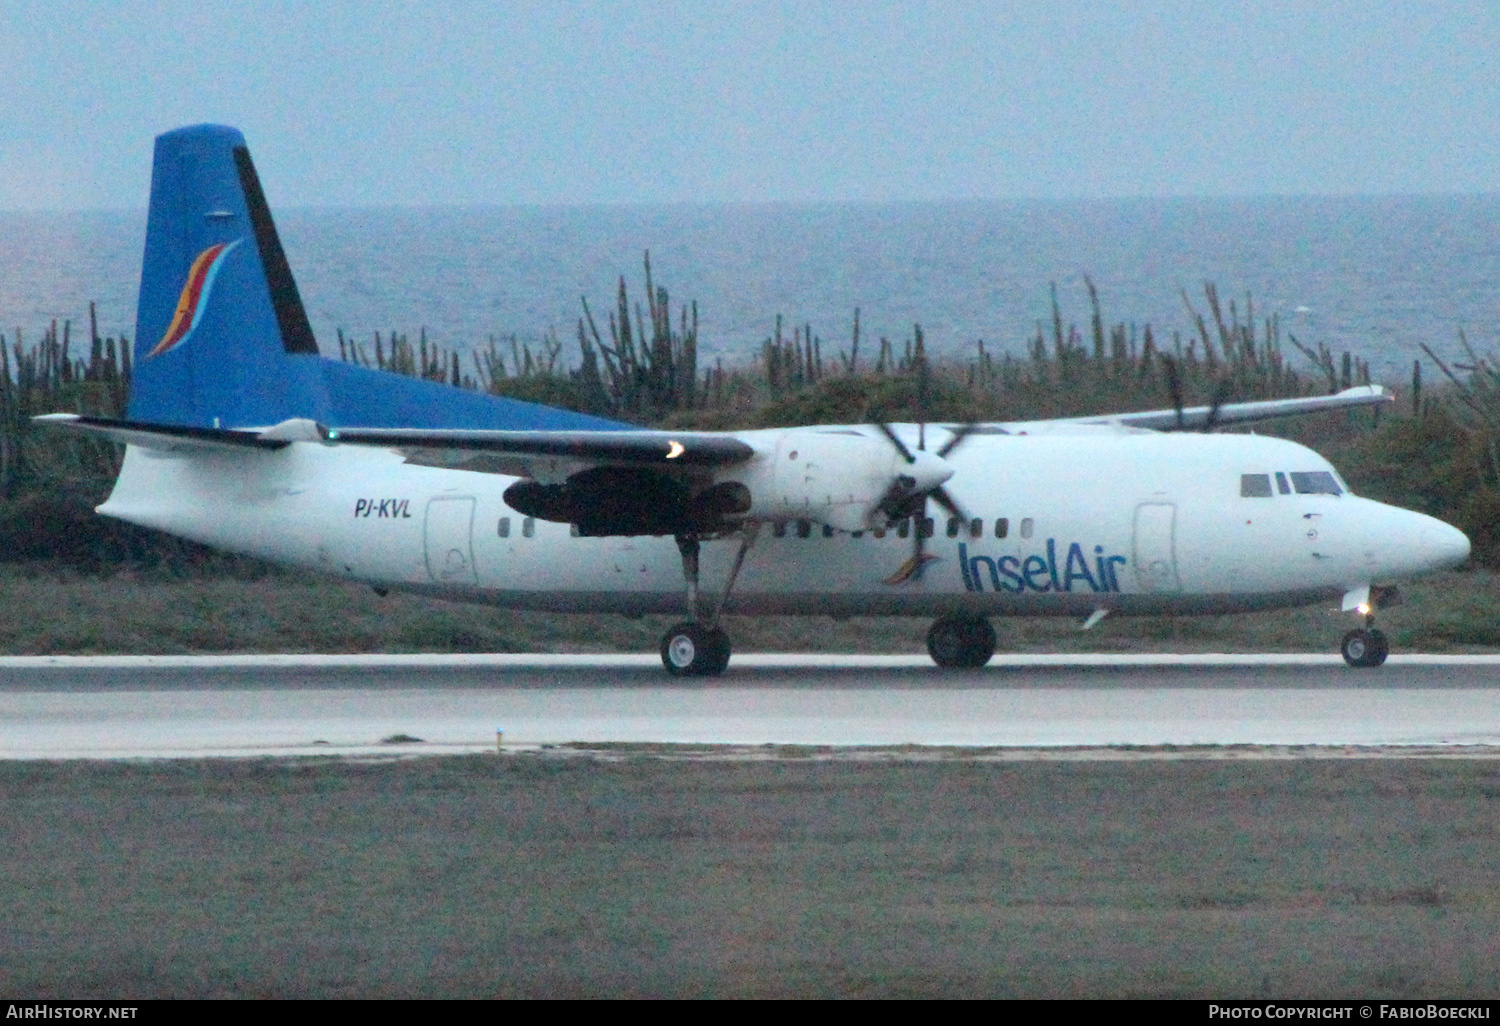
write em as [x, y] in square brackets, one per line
[906, 498]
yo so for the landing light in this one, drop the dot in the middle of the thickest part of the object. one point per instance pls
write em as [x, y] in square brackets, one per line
[1363, 609]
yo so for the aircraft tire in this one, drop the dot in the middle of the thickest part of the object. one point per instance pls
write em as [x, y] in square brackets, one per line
[1364, 648]
[721, 652]
[960, 642]
[692, 650]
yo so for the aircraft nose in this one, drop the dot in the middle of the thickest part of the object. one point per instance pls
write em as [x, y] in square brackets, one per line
[1403, 542]
[1442, 544]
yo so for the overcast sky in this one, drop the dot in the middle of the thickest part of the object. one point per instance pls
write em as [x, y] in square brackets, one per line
[618, 102]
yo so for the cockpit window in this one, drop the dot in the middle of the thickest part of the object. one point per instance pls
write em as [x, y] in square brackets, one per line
[1315, 482]
[1255, 486]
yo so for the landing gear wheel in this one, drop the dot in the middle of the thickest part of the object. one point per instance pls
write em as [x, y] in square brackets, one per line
[694, 650]
[721, 649]
[961, 642]
[1365, 648]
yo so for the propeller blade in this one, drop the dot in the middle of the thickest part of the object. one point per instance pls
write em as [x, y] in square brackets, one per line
[922, 383]
[912, 569]
[919, 542]
[885, 429]
[1221, 396]
[942, 498]
[959, 435]
[1174, 386]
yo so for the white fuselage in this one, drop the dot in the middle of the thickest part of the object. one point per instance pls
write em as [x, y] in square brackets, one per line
[1120, 520]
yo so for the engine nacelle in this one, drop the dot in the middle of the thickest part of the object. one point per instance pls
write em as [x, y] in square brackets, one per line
[837, 476]
[605, 501]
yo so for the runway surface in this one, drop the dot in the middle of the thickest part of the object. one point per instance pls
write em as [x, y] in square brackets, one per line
[173, 706]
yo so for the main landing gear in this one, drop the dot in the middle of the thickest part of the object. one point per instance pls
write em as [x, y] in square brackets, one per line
[961, 642]
[692, 649]
[699, 648]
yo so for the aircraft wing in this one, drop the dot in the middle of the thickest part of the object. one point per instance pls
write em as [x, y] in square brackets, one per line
[629, 448]
[685, 448]
[1194, 418]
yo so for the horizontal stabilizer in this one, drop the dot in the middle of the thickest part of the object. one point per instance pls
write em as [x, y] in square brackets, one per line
[168, 438]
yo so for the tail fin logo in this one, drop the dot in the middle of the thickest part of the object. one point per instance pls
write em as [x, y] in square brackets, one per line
[190, 304]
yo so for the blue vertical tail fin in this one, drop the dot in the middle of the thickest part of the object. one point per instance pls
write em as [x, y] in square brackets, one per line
[222, 338]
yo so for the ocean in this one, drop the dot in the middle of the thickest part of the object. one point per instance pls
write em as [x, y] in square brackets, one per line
[1373, 275]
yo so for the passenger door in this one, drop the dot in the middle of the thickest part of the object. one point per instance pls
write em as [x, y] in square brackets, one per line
[1155, 547]
[448, 538]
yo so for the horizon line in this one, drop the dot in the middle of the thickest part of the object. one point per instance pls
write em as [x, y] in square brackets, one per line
[810, 203]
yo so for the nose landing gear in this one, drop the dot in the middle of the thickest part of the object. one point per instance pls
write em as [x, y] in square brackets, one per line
[1367, 646]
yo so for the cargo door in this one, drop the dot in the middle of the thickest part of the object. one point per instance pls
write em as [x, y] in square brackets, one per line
[1155, 547]
[448, 537]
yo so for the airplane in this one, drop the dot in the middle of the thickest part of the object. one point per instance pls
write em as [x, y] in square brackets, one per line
[240, 435]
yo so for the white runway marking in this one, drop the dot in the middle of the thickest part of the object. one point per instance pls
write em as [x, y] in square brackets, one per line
[333, 707]
[752, 660]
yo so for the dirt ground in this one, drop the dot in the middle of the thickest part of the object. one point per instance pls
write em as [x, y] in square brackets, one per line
[553, 874]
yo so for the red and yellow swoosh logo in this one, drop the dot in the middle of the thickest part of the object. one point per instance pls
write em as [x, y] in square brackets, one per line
[912, 569]
[190, 304]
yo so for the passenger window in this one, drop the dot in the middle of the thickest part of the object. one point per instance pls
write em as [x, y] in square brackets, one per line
[505, 527]
[827, 530]
[926, 527]
[778, 529]
[1281, 485]
[903, 529]
[1315, 482]
[880, 532]
[1255, 486]
[857, 534]
[953, 525]
[1002, 527]
[1027, 525]
[976, 528]
[528, 527]
[804, 528]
